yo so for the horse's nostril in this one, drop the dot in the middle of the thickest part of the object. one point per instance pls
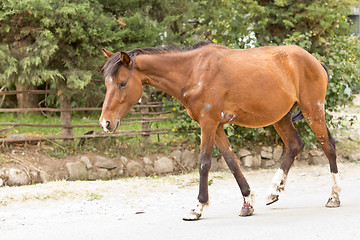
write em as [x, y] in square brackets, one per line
[107, 124]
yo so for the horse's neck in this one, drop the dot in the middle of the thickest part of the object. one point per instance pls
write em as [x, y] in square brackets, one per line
[166, 72]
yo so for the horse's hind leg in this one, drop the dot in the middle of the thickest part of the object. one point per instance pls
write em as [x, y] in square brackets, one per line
[293, 145]
[315, 117]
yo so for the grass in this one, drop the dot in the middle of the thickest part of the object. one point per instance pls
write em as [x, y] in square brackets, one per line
[54, 119]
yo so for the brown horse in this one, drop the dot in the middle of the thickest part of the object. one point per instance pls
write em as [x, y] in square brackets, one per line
[251, 87]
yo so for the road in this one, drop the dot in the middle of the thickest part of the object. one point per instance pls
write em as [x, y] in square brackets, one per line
[152, 208]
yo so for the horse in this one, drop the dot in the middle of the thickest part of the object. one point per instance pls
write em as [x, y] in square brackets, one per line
[248, 87]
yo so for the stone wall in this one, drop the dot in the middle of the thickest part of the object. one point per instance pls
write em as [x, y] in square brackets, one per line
[93, 167]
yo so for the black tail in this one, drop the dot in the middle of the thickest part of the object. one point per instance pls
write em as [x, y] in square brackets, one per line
[298, 116]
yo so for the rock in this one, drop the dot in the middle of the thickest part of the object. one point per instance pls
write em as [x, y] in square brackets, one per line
[135, 169]
[315, 153]
[176, 155]
[243, 152]
[124, 160]
[354, 157]
[267, 163]
[148, 161]
[149, 165]
[99, 173]
[149, 169]
[45, 177]
[267, 155]
[218, 164]
[103, 173]
[252, 161]
[102, 162]
[318, 160]
[257, 161]
[278, 151]
[163, 165]
[17, 177]
[93, 174]
[77, 171]
[86, 161]
[267, 149]
[304, 155]
[188, 159]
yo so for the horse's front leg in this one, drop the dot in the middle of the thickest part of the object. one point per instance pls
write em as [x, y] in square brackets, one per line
[207, 145]
[222, 142]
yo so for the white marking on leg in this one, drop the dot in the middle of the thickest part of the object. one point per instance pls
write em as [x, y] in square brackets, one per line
[250, 199]
[277, 185]
[336, 189]
[195, 213]
[248, 206]
[334, 200]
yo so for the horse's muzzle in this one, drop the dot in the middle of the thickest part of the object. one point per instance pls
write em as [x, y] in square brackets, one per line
[108, 127]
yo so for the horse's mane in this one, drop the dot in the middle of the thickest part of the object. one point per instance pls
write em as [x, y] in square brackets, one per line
[114, 62]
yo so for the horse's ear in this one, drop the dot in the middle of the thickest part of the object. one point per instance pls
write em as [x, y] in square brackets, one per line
[125, 58]
[107, 53]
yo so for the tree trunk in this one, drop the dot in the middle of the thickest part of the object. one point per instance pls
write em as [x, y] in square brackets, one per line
[26, 100]
[65, 103]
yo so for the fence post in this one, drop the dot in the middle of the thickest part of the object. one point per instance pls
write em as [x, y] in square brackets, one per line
[65, 103]
[145, 99]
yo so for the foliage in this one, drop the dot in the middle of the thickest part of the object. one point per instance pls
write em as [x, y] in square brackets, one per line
[280, 19]
[52, 41]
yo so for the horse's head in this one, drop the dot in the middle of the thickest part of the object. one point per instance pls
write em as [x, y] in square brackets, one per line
[123, 89]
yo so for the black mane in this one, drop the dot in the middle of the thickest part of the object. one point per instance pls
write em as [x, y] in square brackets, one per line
[114, 62]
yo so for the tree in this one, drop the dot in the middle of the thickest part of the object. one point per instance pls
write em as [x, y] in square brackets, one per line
[51, 40]
[56, 42]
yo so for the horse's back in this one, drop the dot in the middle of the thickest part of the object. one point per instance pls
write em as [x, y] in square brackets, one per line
[261, 85]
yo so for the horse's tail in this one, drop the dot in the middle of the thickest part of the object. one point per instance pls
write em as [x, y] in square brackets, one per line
[298, 116]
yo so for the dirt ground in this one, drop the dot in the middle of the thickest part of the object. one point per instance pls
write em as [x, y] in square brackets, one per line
[152, 208]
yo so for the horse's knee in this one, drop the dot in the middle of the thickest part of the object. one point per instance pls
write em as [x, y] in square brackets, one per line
[204, 166]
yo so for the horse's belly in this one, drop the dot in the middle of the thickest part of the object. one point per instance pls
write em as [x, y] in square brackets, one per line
[260, 113]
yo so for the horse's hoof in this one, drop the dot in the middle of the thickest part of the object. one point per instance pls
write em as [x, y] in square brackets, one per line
[246, 210]
[271, 199]
[333, 202]
[192, 216]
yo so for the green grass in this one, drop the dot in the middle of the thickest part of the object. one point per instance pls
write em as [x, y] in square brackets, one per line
[129, 146]
[54, 119]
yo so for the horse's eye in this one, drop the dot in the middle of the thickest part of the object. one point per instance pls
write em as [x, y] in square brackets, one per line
[123, 84]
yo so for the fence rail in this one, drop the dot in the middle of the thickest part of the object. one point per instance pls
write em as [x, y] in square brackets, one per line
[142, 111]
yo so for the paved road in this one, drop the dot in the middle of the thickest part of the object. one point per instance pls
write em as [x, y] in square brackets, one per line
[148, 208]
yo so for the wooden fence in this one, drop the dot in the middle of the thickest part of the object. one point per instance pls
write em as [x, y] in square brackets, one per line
[143, 113]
